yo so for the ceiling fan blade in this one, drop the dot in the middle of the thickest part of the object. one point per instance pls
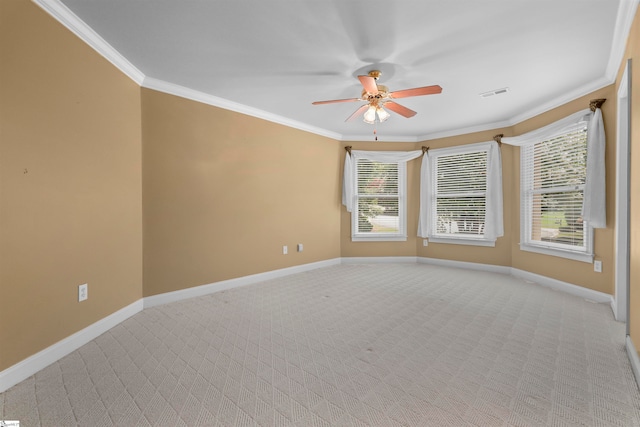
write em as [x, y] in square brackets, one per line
[369, 84]
[397, 108]
[333, 101]
[359, 111]
[417, 91]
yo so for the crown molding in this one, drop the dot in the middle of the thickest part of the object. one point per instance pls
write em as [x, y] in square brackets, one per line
[562, 100]
[205, 98]
[194, 95]
[626, 13]
[539, 109]
[467, 130]
[66, 17]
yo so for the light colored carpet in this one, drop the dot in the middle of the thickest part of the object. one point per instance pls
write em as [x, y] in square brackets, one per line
[388, 345]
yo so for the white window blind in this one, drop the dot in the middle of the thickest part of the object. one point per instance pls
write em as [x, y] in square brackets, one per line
[460, 194]
[379, 191]
[553, 174]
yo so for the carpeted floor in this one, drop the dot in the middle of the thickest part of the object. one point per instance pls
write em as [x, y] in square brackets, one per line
[387, 345]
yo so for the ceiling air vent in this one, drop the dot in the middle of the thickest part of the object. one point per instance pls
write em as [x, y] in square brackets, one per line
[494, 92]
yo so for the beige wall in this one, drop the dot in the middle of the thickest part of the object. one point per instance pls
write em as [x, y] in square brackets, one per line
[87, 158]
[70, 183]
[633, 52]
[223, 192]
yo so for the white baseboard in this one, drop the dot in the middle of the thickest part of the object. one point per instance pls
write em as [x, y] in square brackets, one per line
[618, 306]
[24, 369]
[29, 366]
[466, 265]
[588, 294]
[633, 358]
[379, 260]
[198, 291]
[558, 285]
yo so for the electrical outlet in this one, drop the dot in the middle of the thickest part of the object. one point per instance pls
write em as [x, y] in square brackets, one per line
[425, 242]
[597, 266]
[285, 250]
[300, 247]
[83, 292]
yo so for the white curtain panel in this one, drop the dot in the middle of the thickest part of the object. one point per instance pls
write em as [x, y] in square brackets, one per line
[594, 204]
[348, 190]
[494, 217]
[424, 219]
[494, 221]
[347, 183]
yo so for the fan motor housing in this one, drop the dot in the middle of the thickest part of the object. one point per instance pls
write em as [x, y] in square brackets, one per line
[383, 92]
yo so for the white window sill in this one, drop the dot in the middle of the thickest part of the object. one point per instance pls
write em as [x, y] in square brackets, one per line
[379, 238]
[576, 256]
[462, 241]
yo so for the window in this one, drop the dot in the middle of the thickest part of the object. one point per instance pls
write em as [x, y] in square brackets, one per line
[458, 197]
[553, 174]
[379, 211]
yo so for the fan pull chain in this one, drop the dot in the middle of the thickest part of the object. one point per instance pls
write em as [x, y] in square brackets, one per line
[375, 132]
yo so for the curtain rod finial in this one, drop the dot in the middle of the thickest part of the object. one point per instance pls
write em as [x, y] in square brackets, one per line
[348, 148]
[424, 149]
[498, 138]
[596, 103]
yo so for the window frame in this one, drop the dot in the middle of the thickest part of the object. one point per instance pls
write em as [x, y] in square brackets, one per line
[399, 236]
[464, 239]
[526, 205]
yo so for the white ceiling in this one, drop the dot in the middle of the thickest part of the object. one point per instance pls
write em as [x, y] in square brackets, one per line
[273, 58]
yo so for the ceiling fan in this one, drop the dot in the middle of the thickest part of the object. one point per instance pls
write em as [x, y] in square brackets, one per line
[377, 96]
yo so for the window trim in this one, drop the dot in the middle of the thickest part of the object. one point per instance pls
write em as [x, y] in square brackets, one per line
[557, 252]
[526, 244]
[463, 241]
[401, 235]
[468, 240]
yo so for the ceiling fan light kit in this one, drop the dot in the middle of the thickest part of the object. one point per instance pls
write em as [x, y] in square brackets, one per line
[372, 112]
[377, 96]
[383, 115]
[370, 115]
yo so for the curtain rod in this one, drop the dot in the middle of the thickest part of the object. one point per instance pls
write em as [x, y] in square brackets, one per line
[348, 149]
[593, 104]
[596, 103]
